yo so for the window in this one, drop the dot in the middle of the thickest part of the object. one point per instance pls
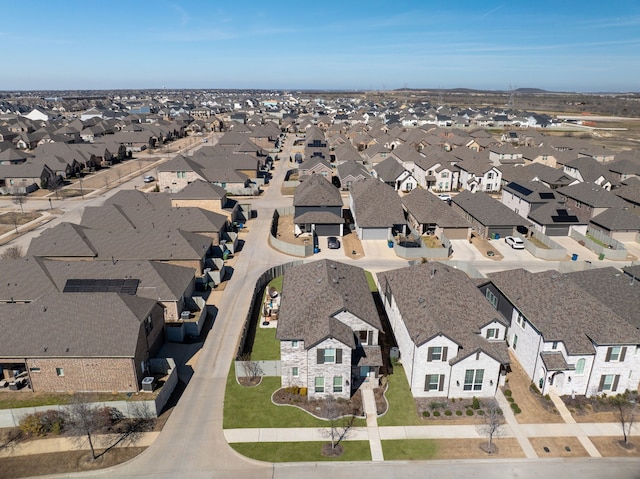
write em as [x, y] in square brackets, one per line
[60, 372]
[294, 343]
[554, 345]
[489, 176]
[337, 384]
[515, 341]
[148, 324]
[329, 356]
[492, 333]
[473, 379]
[493, 299]
[181, 174]
[616, 354]
[319, 385]
[444, 174]
[520, 320]
[34, 370]
[434, 382]
[608, 382]
[365, 337]
[437, 353]
[580, 367]
[295, 372]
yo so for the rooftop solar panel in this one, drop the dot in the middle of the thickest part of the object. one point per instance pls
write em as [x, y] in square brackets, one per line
[123, 286]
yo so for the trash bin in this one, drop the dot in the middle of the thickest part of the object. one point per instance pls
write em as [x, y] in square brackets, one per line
[574, 257]
[225, 255]
[316, 250]
[497, 235]
[601, 256]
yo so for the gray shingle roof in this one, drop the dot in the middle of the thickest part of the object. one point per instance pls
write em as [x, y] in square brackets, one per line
[592, 195]
[562, 311]
[74, 325]
[376, 204]
[617, 219]
[435, 299]
[612, 288]
[486, 210]
[313, 293]
[317, 191]
[429, 209]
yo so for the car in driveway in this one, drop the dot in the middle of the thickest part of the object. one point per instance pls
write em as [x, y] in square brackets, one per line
[333, 242]
[514, 242]
[445, 197]
[149, 179]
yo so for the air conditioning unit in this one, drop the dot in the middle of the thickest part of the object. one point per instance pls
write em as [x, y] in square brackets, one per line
[148, 384]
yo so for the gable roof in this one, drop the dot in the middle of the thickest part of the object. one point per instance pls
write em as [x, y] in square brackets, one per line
[486, 210]
[427, 208]
[376, 204]
[592, 195]
[389, 170]
[573, 316]
[435, 299]
[313, 293]
[317, 191]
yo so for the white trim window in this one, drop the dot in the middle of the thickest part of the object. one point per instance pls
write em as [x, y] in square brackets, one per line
[493, 299]
[473, 379]
[319, 384]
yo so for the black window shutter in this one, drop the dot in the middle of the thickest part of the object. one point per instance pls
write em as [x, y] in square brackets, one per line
[444, 354]
[441, 383]
[623, 352]
[427, 379]
[608, 357]
[338, 356]
[601, 385]
[430, 354]
[320, 356]
[615, 382]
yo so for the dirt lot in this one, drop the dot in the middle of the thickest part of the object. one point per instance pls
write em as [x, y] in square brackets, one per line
[351, 243]
[484, 246]
[557, 447]
[535, 409]
[612, 447]
[285, 232]
[58, 463]
[470, 449]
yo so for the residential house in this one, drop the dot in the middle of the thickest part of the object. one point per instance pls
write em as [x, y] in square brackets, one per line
[489, 218]
[376, 209]
[351, 171]
[620, 224]
[89, 342]
[318, 208]
[589, 170]
[328, 328]
[575, 344]
[392, 173]
[451, 341]
[589, 200]
[479, 175]
[428, 214]
[315, 166]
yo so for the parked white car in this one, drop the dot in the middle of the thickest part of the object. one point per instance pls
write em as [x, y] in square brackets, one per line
[514, 242]
[444, 196]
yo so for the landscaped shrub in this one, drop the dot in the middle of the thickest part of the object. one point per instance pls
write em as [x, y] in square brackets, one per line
[510, 399]
[303, 391]
[547, 397]
[507, 392]
[516, 409]
[448, 413]
[425, 414]
[534, 389]
[475, 403]
[108, 416]
[436, 413]
[480, 412]
[437, 405]
[42, 423]
[469, 412]
[458, 413]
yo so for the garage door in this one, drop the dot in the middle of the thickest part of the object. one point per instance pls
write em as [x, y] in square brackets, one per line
[456, 233]
[557, 231]
[328, 230]
[374, 234]
[501, 231]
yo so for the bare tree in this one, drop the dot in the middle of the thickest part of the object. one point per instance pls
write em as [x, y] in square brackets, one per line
[20, 199]
[340, 419]
[89, 421]
[492, 422]
[250, 368]
[12, 252]
[626, 410]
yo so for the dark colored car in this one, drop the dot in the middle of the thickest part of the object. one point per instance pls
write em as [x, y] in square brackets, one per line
[333, 242]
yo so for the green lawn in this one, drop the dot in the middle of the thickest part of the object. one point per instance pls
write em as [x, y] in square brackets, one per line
[252, 407]
[409, 449]
[372, 284]
[12, 400]
[277, 283]
[402, 408]
[265, 345]
[301, 451]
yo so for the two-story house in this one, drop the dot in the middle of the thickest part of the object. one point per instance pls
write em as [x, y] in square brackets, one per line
[328, 328]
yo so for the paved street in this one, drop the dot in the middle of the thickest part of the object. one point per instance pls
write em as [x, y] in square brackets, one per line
[193, 443]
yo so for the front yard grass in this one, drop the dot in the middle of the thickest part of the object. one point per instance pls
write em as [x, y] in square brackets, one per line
[372, 284]
[252, 407]
[14, 400]
[409, 449]
[301, 451]
[402, 408]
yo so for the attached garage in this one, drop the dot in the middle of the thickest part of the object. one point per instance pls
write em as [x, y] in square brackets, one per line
[557, 230]
[374, 233]
[328, 230]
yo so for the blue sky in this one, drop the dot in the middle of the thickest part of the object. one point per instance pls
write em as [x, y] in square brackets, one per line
[565, 45]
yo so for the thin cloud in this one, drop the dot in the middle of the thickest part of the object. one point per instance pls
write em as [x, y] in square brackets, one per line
[484, 15]
[184, 16]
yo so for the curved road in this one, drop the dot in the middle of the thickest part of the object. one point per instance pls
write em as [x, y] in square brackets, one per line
[192, 443]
